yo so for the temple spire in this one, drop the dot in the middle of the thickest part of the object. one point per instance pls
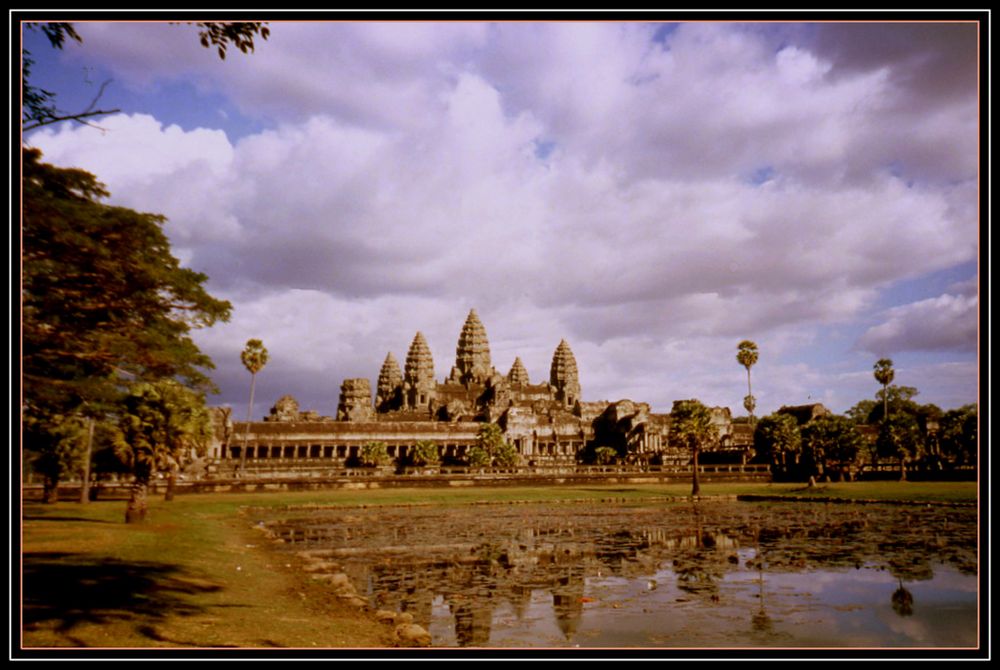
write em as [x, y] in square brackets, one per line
[472, 359]
[563, 375]
[418, 376]
[389, 389]
[518, 373]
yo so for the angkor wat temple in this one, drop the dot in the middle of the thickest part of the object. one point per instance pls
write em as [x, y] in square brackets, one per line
[547, 422]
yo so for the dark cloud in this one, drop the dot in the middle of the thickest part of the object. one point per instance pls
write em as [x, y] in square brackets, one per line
[933, 63]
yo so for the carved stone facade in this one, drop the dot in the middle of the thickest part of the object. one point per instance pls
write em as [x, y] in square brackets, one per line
[546, 423]
[355, 401]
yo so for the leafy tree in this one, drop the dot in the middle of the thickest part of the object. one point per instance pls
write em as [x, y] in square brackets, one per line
[38, 107]
[478, 458]
[254, 358]
[374, 454]
[884, 375]
[830, 440]
[777, 440]
[861, 413]
[605, 455]
[894, 399]
[899, 437]
[57, 445]
[492, 449]
[163, 425]
[958, 435]
[691, 428]
[104, 304]
[425, 452]
[746, 355]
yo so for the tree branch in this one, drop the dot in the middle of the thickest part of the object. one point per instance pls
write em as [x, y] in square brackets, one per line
[71, 117]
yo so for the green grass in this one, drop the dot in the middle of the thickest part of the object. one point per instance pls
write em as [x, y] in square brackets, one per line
[909, 491]
[196, 575]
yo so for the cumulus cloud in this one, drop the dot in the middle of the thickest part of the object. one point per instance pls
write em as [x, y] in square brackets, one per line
[651, 200]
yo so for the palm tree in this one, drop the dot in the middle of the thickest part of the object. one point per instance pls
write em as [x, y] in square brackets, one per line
[746, 355]
[884, 375]
[254, 359]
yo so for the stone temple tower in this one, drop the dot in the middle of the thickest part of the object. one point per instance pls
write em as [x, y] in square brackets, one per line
[389, 390]
[518, 373]
[355, 401]
[418, 377]
[472, 356]
[563, 376]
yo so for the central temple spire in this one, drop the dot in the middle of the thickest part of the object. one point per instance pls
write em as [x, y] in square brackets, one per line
[472, 359]
[563, 375]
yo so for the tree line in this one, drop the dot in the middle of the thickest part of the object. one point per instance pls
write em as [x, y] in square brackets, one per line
[891, 427]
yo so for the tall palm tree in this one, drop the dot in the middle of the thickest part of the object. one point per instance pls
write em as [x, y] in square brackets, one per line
[254, 359]
[746, 355]
[884, 375]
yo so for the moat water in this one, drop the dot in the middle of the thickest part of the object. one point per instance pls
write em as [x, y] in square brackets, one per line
[666, 575]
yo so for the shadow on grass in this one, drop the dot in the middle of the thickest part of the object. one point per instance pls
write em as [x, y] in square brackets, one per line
[63, 591]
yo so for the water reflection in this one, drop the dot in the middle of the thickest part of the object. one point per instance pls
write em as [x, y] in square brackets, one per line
[902, 601]
[760, 621]
[618, 575]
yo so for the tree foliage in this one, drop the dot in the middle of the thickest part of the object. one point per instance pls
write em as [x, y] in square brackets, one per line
[56, 448]
[425, 452]
[241, 35]
[254, 356]
[777, 440]
[899, 437]
[374, 454]
[884, 374]
[605, 455]
[163, 426]
[958, 435]
[691, 428]
[830, 442]
[746, 355]
[104, 302]
[103, 296]
[491, 449]
[861, 412]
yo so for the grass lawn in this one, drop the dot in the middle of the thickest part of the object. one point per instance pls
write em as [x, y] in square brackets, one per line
[196, 575]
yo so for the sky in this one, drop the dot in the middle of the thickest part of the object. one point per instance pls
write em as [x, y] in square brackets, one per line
[653, 193]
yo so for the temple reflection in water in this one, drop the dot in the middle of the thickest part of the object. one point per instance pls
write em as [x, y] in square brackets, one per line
[523, 561]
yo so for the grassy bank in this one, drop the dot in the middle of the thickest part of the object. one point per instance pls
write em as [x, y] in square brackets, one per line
[193, 576]
[196, 575]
